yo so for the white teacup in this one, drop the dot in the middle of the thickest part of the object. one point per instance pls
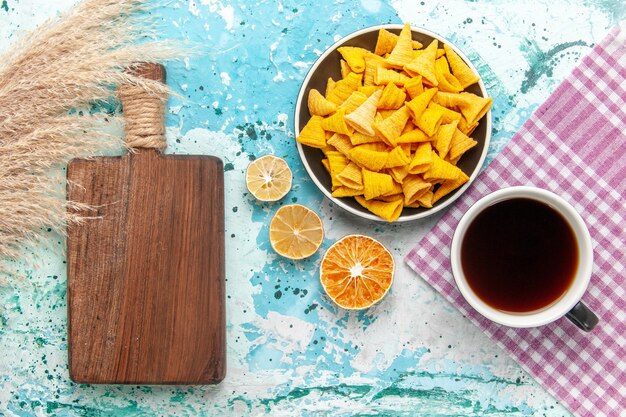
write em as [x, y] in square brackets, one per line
[569, 303]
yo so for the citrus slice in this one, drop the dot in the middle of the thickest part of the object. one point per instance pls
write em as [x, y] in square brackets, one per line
[268, 178]
[357, 271]
[296, 232]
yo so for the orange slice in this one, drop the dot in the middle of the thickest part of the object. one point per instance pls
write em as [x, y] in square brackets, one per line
[268, 178]
[357, 271]
[296, 232]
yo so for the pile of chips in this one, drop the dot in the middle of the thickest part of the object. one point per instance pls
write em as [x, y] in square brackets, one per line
[394, 127]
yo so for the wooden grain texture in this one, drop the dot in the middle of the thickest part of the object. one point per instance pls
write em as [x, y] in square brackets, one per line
[146, 278]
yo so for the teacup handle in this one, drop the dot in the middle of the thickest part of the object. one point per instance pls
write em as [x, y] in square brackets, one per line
[582, 317]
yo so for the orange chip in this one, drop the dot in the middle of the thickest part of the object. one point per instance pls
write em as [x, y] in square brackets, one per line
[399, 173]
[408, 127]
[337, 162]
[424, 200]
[362, 118]
[344, 191]
[420, 103]
[449, 116]
[397, 157]
[368, 158]
[330, 86]
[318, 105]
[413, 136]
[413, 187]
[341, 143]
[459, 144]
[414, 146]
[344, 88]
[368, 90]
[396, 190]
[384, 114]
[422, 159]
[372, 62]
[406, 148]
[460, 69]
[440, 52]
[441, 170]
[430, 120]
[389, 211]
[453, 161]
[390, 128]
[441, 66]
[354, 57]
[466, 128]
[358, 138]
[326, 165]
[351, 176]
[391, 198]
[328, 148]
[446, 81]
[312, 134]
[386, 76]
[450, 185]
[344, 68]
[392, 97]
[443, 137]
[353, 102]
[424, 64]
[414, 86]
[472, 107]
[385, 43]
[475, 108]
[376, 146]
[376, 184]
[337, 123]
[402, 52]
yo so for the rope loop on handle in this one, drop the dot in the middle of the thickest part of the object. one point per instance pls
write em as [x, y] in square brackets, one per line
[144, 113]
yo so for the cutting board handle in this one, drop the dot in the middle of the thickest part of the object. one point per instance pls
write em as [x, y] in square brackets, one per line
[149, 70]
[144, 108]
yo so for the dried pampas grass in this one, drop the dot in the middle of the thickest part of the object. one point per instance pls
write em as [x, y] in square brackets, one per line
[66, 64]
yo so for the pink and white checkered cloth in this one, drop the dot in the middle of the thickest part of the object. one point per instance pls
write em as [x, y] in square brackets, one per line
[575, 146]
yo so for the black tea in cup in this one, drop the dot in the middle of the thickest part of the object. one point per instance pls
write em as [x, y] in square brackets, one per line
[519, 255]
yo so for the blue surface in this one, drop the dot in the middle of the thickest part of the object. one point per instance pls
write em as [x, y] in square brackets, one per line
[291, 351]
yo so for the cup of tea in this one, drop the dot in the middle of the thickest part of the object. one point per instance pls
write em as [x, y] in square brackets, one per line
[522, 257]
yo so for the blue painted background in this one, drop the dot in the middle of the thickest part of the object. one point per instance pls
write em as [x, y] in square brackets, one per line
[290, 350]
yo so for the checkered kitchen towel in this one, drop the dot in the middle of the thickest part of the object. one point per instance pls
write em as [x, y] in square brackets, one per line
[575, 146]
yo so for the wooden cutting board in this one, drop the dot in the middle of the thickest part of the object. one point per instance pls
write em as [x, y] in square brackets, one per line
[146, 278]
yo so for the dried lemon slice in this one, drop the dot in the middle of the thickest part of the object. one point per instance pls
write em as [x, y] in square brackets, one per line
[357, 271]
[268, 178]
[296, 232]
